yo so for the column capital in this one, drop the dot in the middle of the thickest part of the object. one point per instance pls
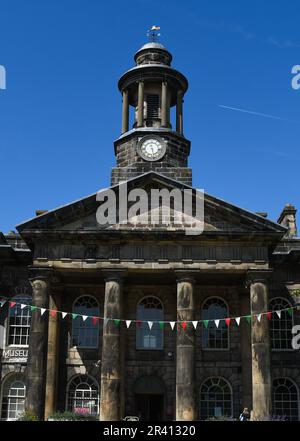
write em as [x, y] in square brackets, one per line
[185, 275]
[254, 275]
[116, 275]
[39, 273]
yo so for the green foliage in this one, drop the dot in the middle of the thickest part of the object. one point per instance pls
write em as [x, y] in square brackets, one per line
[71, 416]
[28, 416]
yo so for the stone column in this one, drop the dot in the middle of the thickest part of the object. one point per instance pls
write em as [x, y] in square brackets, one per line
[125, 112]
[37, 351]
[179, 112]
[260, 343]
[185, 356]
[246, 354]
[111, 363]
[52, 359]
[140, 115]
[164, 104]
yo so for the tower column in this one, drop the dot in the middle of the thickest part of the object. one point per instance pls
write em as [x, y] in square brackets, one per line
[37, 351]
[179, 112]
[260, 344]
[164, 104]
[111, 363]
[185, 351]
[125, 112]
[52, 359]
[140, 115]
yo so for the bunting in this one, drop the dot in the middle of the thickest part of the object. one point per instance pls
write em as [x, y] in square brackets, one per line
[117, 321]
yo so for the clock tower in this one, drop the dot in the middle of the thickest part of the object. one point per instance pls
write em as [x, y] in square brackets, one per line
[152, 135]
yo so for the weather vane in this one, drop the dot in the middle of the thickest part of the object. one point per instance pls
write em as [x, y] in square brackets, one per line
[153, 33]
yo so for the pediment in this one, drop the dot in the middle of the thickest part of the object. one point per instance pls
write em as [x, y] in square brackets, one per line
[219, 216]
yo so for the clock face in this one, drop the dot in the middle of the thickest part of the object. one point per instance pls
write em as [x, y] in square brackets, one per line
[152, 149]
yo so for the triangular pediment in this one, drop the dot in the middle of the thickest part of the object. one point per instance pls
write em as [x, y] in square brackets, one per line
[220, 217]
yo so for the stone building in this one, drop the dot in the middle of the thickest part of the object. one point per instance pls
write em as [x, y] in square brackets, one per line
[64, 260]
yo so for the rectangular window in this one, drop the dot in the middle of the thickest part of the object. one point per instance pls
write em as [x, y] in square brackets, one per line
[152, 105]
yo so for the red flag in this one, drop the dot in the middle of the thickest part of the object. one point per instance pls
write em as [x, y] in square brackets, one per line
[269, 315]
[183, 325]
[12, 304]
[227, 321]
[53, 312]
[95, 320]
[138, 323]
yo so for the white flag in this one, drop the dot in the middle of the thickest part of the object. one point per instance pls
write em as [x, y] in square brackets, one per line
[150, 325]
[195, 324]
[128, 323]
[238, 319]
[172, 324]
[278, 313]
[217, 322]
[23, 306]
[43, 310]
[259, 317]
[64, 314]
[84, 317]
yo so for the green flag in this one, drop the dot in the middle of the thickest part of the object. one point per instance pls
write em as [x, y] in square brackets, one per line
[206, 323]
[74, 316]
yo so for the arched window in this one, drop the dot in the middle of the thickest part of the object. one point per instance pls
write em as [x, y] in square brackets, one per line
[285, 399]
[84, 333]
[149, 309]
[214, 337]
[19, 322]
[83, 395]
[13, 397]
[281, 327]
[215, 399]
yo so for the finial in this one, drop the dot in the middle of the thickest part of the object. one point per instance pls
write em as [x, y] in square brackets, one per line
[153, 34]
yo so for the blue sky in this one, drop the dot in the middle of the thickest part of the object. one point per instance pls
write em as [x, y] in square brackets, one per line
[61, 110]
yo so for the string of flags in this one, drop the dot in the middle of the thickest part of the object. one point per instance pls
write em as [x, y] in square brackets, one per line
[206, 322]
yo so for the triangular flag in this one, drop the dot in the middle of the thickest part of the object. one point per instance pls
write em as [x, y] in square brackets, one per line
[172, 324]
[150, 324]
[95, 320]
[117, 322]
[238, 319]
[269, 315]
[12, 304]
[161, 325]
[23, 306]
[33, 308]
[217, 322]
[278, 313]
[84, 317]
[206, 323]
[183, 325]
[128, 322]
[290, 311]
[227, 321]
[195, 323]
[74, 316]
[138, 323]
[2, 302]
[64, 314]
[259, 317]
[248, 318]
[53, 312]
[43, 310]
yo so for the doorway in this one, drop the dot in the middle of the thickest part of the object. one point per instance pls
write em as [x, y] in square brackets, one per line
[149, 397]
[149, 407]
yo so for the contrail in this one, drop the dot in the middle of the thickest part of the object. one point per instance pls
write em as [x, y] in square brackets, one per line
[258, 113]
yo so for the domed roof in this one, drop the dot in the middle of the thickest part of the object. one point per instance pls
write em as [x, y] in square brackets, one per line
[152, 45]
[147, 49]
